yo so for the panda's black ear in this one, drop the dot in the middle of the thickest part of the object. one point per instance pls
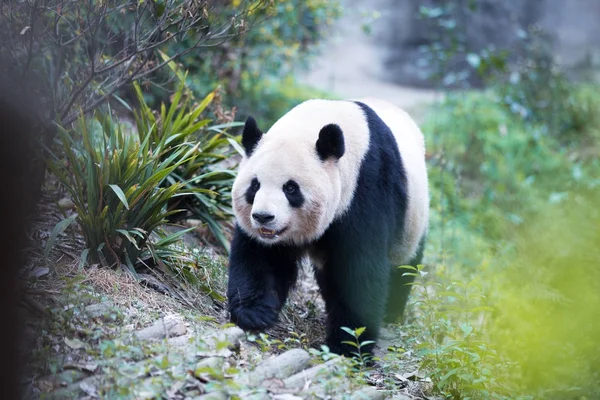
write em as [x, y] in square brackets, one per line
[331, 142]
[251, 135]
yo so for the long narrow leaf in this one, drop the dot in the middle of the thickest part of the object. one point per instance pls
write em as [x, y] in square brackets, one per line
[57, 230]
[120, 195]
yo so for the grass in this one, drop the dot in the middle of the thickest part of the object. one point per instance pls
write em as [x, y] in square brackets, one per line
[506, 305]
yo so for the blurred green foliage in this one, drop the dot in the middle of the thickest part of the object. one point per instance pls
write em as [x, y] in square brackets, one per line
[509, 307]
[256, 71]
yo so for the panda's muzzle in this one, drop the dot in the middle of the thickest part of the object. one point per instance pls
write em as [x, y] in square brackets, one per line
[269, 233]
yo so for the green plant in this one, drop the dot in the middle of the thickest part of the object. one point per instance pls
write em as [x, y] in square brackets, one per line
[258, 67]
[202, 173]
[455, 350]
[115, 182]
[362, 358]
[493, 174]
[265, 343]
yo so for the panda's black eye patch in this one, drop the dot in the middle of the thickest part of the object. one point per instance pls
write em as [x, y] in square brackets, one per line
[291, 187]
[293, 193]
[251, 191]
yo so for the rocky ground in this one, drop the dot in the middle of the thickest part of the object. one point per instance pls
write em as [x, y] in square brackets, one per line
[93, 332]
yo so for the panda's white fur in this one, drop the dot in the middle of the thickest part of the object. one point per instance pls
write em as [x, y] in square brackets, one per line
[287, 151]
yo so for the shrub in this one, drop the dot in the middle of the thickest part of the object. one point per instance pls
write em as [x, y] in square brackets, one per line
[256, 70]
[116, 182]
[506, 309]
[203, 175]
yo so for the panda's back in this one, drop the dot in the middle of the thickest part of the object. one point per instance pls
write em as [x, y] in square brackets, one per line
[411, 145]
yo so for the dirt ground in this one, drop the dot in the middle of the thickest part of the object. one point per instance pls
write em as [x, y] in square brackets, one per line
[351, 64]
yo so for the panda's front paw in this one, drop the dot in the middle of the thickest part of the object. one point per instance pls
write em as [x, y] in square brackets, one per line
[256, 316]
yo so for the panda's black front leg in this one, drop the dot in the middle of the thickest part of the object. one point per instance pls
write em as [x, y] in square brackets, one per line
[260, 278]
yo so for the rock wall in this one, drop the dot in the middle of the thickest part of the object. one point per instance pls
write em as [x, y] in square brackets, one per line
[573, 28]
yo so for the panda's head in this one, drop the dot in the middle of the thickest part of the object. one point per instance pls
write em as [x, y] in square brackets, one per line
[288, 185]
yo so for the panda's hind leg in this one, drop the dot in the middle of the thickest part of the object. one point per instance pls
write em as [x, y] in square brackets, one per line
[354, 298]
[400, 286]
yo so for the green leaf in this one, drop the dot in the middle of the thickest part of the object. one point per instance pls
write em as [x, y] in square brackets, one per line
[173, 237]
[348, 331]
[120, 195]
[164, 364]
[58, 229]
[129, 237]
[83, 259]
[409, 267]
[359, 331]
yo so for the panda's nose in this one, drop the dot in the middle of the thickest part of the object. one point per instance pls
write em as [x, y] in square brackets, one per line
[263, 218]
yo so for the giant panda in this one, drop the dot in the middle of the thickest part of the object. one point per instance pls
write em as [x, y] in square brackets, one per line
[343, 182]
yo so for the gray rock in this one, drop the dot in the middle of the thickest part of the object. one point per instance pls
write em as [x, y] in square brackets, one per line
[66, 204]
[169, 326]
[368, 393]
[298, 380]
[232, 335]
[99, 310]
[181, 341]
[75, 389]
[281, 366]
[210, 362]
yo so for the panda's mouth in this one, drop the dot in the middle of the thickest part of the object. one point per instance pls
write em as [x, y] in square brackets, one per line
[270, 233]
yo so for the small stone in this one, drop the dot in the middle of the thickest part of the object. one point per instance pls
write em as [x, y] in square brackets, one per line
[281, 366]
[66, 204]
[232, 335]
[192, 223]
[169, 326]
[298, 381]
[39, 272]
[401, 397]
[99, 310]
[208, 364]
[180, 341]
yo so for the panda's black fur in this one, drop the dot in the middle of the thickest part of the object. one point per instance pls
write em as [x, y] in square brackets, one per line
[356, 279]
